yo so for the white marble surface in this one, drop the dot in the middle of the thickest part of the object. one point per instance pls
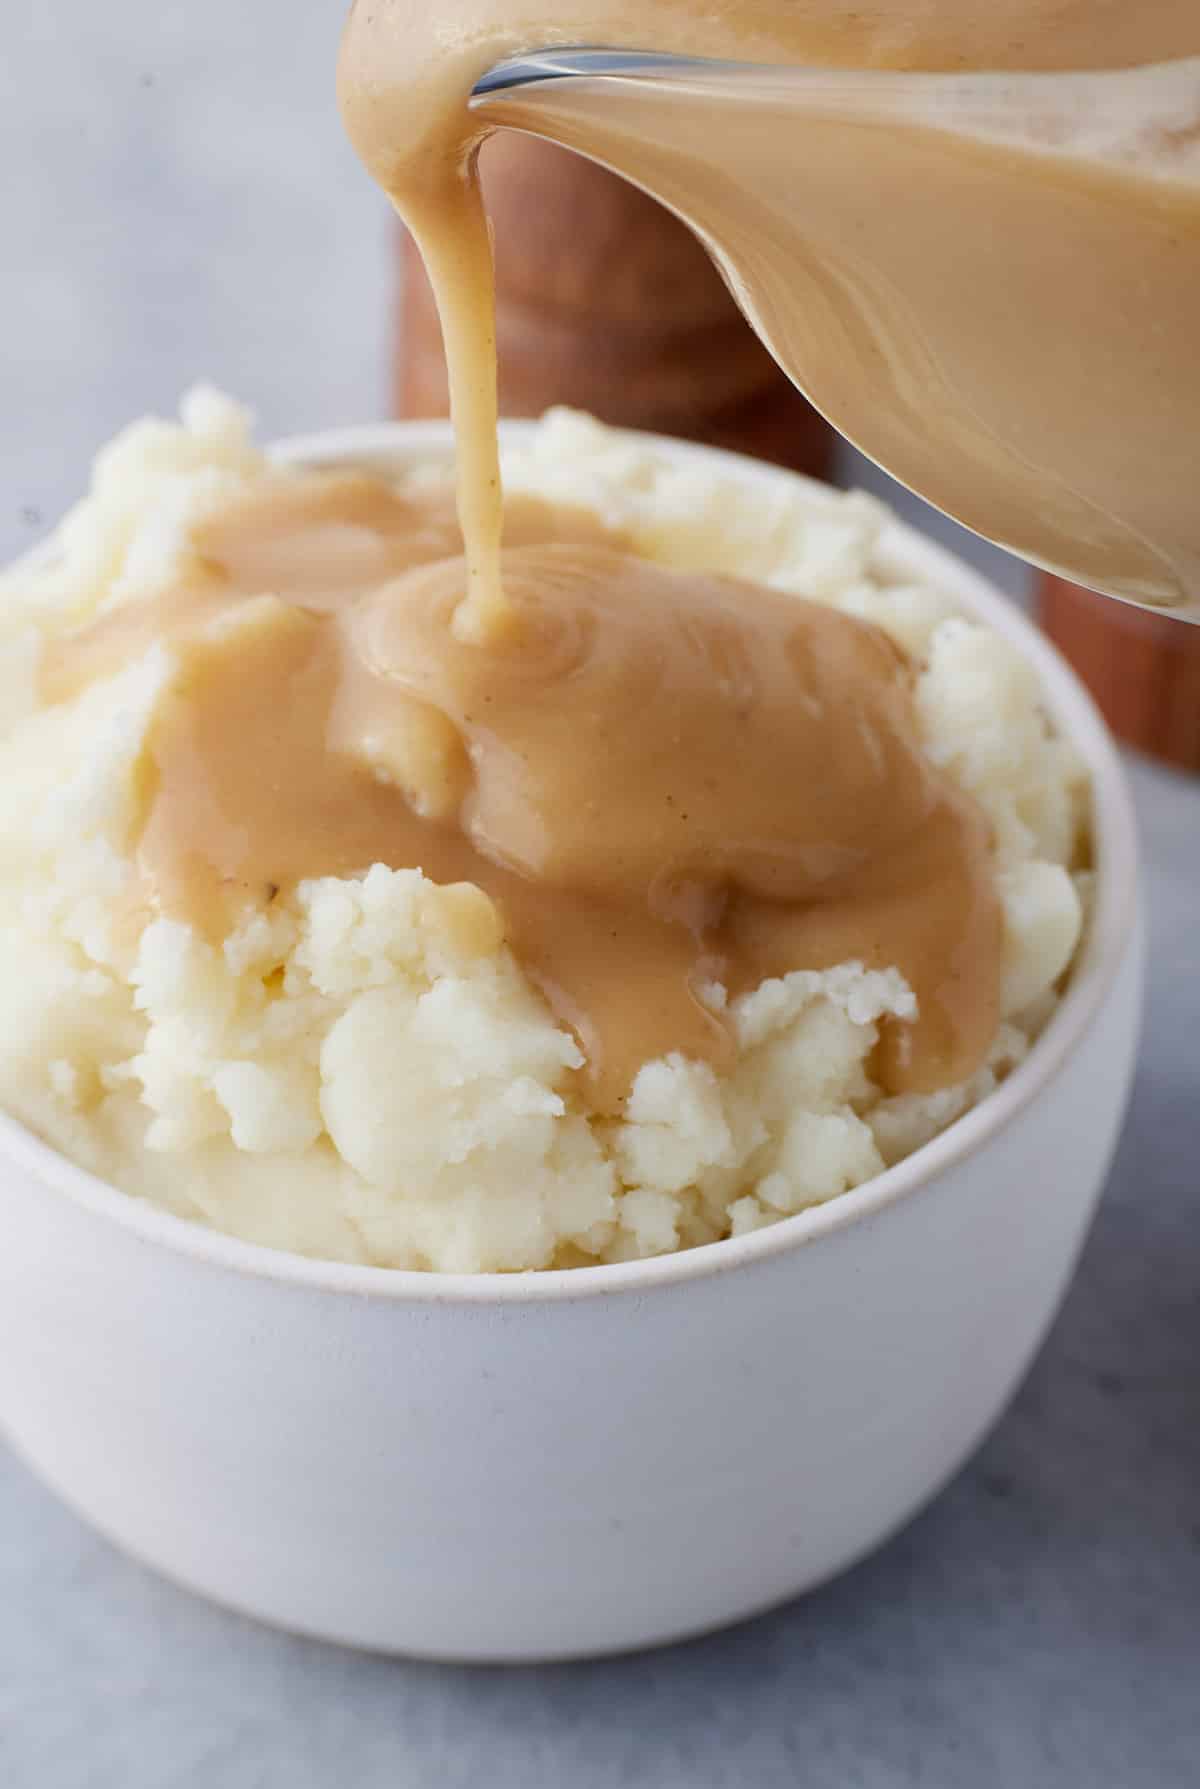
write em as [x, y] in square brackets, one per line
[176, 199]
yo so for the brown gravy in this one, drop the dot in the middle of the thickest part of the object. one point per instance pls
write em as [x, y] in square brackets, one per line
[661, 780]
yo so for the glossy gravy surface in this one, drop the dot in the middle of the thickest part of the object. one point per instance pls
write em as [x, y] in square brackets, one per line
[661, 780]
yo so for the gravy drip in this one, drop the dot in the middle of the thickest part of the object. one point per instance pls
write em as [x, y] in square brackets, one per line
[661, 779]
[988, 281]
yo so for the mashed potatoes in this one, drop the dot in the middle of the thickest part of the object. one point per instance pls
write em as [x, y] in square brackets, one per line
[362, 1072]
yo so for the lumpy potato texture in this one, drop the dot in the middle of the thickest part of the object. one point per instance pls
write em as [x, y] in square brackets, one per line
[361, 1072]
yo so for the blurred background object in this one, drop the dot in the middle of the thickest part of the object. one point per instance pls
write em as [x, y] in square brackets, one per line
[1143, 670]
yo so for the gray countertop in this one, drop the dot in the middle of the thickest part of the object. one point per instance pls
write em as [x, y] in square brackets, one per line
[177, 200]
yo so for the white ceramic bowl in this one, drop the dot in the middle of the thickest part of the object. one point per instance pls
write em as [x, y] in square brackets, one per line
[571, 1463]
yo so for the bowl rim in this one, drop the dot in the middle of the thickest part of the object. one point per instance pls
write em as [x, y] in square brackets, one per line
[1110, 936]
